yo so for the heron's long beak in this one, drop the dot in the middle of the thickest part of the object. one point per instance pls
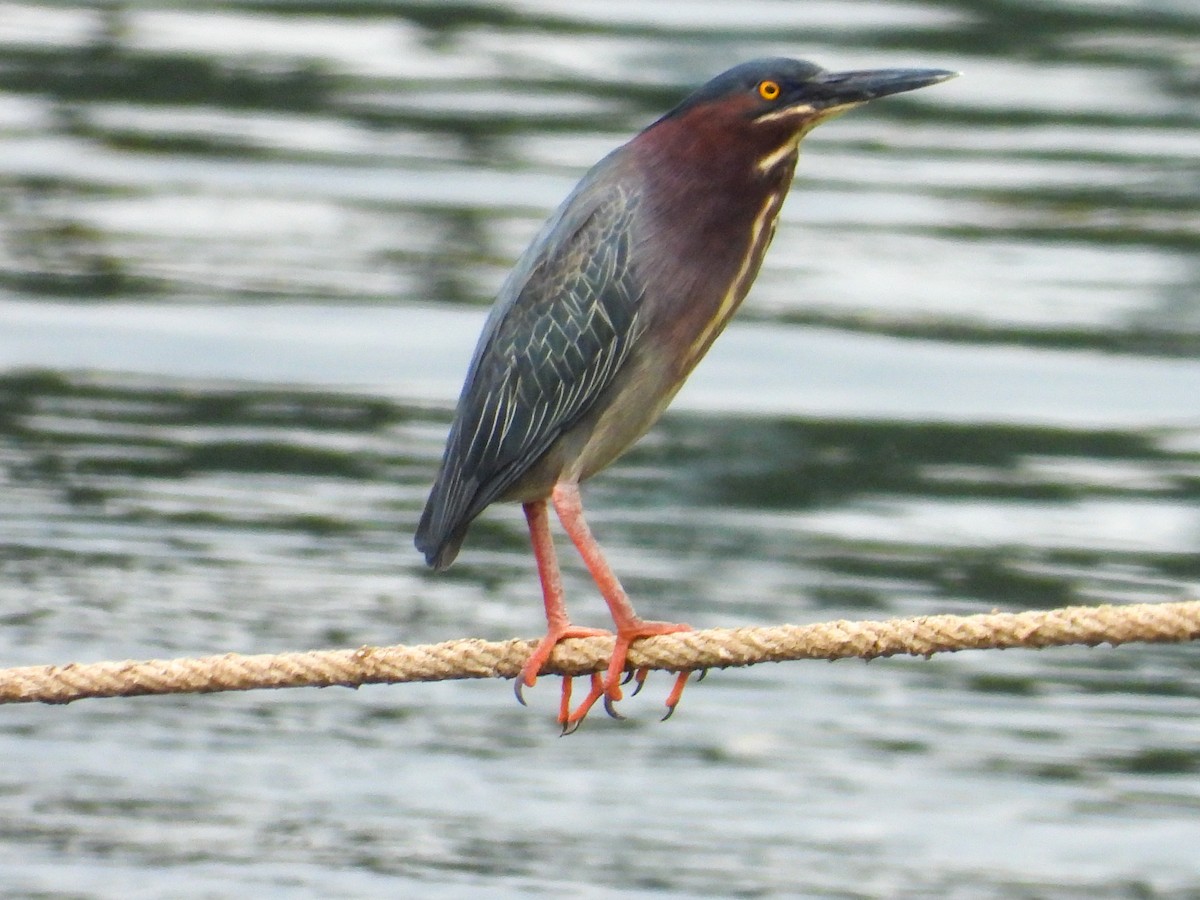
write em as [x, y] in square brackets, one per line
[834, 90]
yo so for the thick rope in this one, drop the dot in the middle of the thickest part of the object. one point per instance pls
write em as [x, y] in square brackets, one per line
[712, 648]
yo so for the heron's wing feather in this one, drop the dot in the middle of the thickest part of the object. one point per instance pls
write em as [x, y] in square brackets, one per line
[561, 329]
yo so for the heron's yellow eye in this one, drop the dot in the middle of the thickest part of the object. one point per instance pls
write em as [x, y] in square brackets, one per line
[768, 90]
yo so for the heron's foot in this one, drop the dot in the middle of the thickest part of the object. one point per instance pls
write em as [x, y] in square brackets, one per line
[676, 694]
[528, 675]
[638, 677]
[627, 633]
[570, 722]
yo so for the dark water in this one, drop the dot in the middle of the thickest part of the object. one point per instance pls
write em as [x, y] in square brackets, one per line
[245, 249]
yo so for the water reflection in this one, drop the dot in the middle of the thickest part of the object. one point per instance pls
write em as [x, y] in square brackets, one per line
[992, 514]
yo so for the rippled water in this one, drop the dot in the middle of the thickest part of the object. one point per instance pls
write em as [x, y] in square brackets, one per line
[245, 250]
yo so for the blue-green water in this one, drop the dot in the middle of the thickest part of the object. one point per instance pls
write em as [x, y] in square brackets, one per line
[245, 250]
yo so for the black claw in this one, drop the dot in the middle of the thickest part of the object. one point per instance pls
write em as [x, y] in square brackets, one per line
[611, 708]
[628, 677]
[670, 712]
[519, 690]
[570, 727]
[637, 688]
[703, 674]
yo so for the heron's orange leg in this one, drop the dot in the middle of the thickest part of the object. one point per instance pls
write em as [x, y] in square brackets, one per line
[630, 627]
[558, 626]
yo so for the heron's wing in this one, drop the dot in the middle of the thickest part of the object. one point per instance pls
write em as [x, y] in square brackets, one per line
[560, 331]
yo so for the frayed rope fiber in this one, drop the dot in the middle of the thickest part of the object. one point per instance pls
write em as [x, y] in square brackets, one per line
[709, 649]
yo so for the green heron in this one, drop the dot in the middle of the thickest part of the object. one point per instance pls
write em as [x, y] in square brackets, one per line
[609, 310]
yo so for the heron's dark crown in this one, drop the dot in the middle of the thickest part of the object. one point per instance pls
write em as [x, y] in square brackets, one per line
[742, 81]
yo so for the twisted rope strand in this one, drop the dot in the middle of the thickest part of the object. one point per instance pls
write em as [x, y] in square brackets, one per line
[712, 648]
